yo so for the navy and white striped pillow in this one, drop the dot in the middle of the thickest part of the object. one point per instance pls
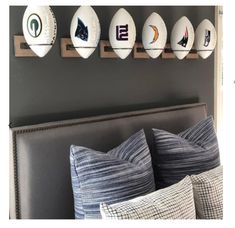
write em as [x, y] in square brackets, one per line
[193, 151]
[123, 173]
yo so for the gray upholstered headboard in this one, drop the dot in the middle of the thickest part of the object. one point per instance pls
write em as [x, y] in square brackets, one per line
[40, 185]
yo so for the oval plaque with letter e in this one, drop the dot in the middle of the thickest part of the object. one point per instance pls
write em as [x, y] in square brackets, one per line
[122, 33]
[39, 28]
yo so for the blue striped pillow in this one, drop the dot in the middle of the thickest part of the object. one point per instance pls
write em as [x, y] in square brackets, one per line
[193, 151]
[123, 173]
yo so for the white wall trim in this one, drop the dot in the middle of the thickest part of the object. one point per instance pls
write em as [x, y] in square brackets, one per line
[218, 73]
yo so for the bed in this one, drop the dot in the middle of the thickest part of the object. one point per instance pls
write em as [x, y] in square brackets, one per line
[40, 181]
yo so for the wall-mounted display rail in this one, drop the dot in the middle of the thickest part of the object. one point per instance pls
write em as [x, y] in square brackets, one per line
[22, 49]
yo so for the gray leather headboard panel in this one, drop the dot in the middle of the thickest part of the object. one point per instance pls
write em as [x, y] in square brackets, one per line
[40, 185]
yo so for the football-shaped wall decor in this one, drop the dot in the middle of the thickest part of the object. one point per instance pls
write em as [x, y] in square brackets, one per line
[205, 38]
[154, 35]
[122, 33]
[39, 28]
[182, 37]
[85, 31]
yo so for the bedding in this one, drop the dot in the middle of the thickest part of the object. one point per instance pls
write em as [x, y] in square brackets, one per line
[40, 177]
[192, 151]
[208, 193]
[122, 173]
[174, 202]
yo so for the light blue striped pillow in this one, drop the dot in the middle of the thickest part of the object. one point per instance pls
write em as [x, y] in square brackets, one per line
[193, 151]
[123, 173]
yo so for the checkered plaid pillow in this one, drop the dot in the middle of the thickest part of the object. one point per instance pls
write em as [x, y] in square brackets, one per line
[174, 202]
[208, 194]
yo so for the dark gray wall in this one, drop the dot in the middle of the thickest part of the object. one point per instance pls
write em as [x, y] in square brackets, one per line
[55, 88]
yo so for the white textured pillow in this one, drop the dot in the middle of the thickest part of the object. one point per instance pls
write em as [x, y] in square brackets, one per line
[208, 193]
[174, 202]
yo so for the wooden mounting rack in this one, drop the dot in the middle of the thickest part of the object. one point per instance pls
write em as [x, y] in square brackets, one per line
[139, 52]
[68, 51]
[21, 47]
[168, 53]
[192, 54]
[106, 50]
